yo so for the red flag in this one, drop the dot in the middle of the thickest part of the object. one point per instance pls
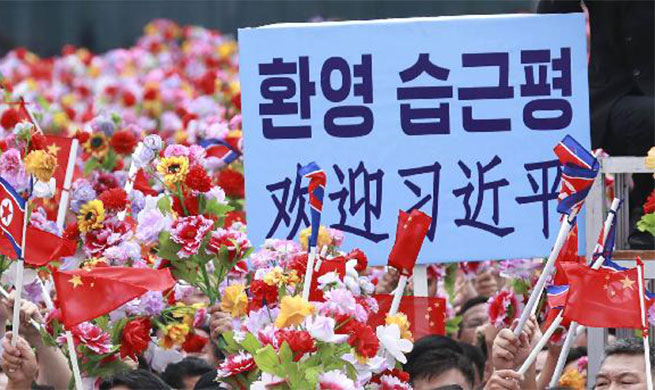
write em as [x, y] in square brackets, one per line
[569, 253]
[85, 294]
[602, 298]
[427, 315]
[410, 233]
[41, 247]
[60, 147]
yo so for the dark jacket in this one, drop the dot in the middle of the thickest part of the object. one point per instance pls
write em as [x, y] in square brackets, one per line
[621, 61]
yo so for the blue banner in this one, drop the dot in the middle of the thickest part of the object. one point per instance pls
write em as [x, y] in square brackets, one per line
[456, 116]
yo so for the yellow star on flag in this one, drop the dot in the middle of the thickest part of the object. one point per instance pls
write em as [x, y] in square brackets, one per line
[627, 282]
[53, 149]
[76, 280]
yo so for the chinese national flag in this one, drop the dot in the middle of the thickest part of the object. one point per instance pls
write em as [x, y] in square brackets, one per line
[41, 247]
[602, 298]
[569, 253]
[61, 147]
[411, 230]
[427, 315]
[85, 294]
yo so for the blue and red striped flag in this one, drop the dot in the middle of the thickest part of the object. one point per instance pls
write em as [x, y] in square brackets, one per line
[607, 248]
[316, 190]
[220, 149]
[12, 214]
[579, 169]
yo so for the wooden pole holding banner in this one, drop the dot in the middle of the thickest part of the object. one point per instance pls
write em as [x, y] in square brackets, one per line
[68, 179]
[309, 273]
[575, 327]
[18, 281]
[398, 295]
[644, 326]
[531, 306]
[131, 175]
[72, 356]
[420, 279]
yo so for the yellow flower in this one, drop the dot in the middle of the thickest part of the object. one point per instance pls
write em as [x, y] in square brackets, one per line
[293, 311]
[235, 300]
[60, 119]
[174, 169]
[324, 237]
[174, 334]
[572, 379]
[277, 277]
[97, 145]
[401, 320]
[650, 159]
[41, 164]
[91, 216]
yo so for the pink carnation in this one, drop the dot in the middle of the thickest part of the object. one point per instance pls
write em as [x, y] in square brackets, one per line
[504, 307]
[189, 232]
[91, 337]
[234, 241]
[236, 364]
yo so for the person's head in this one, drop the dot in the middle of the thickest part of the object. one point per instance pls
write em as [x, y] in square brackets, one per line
[475, 355]
[208, 382]
[474, 314]
[185, 374]
[440, 369]
[624, 366]
[430, 343]
[134, 380]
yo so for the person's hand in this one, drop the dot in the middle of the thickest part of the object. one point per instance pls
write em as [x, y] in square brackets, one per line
[19, 363]
[29, 311]
[486, 284]
[219, 322]
[388, 282]
[5, 313]
[509, 351]
[504, 380]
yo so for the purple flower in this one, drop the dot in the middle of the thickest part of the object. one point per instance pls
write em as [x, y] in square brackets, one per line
[150, 224]
[82, 193]
[12, 169]
[32, 292]
[152, 303]
[176, 150]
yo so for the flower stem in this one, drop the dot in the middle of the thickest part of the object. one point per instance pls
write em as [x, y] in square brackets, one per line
[180, 195]
[205, 276]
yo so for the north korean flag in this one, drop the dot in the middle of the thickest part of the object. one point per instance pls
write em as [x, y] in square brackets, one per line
[12, 213]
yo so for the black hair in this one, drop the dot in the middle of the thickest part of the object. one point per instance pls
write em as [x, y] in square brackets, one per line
[472, 302]
[575, 354]
[208, 382]
[36, 386]
[432, 342]
[435, 362]
[135, 380]
[475, 355]
[189, 366]
[630, 347]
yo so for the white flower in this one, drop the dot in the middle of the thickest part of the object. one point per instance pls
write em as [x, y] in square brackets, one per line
[335, 380]
[322, 328]
[266, 382]
[8, 277]
[45, 190]
[153, 142]
[390, 340]
[365, 371]
[158, 357]
[329, 279]
[217, 194]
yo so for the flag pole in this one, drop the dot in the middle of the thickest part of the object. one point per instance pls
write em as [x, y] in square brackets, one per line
[18, 283]
[574, 327]
[540, 345]
[531, 306]
[306, 288]
[131, 176]
[68, 179]
[644, 324]
[398, 295]
[72, 356]
[5, 294]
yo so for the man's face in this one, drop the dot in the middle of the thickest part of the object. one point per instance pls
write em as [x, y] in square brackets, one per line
[471, 319]
[622, 372]
[449, 380]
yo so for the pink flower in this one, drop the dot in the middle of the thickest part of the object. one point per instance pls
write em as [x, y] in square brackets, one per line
[189, 232]
[390, 382]
[504, 307]
[335, 380]
[12, 168]
[200, 317]
[91, 337]
[234, 241]
[236, 364]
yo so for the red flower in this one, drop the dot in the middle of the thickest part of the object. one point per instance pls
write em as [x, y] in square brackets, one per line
[150, 94]
[9, 118]
[128, 99]
[362, 260]
[82, 136]
[300, 342]
[194, 343]
[231, 182]
[189, 233]
[92, 337]
[114, 199]
[396, 372]
[234, 241]
[236, 364]
[649, 206]
[360, 336]
[198, 180]
[38, 142]
[503, 308]
[262, 294]
[72, 232]
[190, 202]
[123, 142]
[234, 216]
[299, 263]
[103, 182]
[136, 336]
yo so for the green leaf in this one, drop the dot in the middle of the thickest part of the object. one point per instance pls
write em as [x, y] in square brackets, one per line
[647, 223]
[91, 165]
[251, 344]
[218, 209]
[267, 360]
[452, 325]
[164, 205]
[286, 354]
[167, 248]
[109, 162]
[226, 342]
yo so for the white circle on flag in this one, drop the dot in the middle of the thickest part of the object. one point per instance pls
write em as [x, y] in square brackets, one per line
[6, 211]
